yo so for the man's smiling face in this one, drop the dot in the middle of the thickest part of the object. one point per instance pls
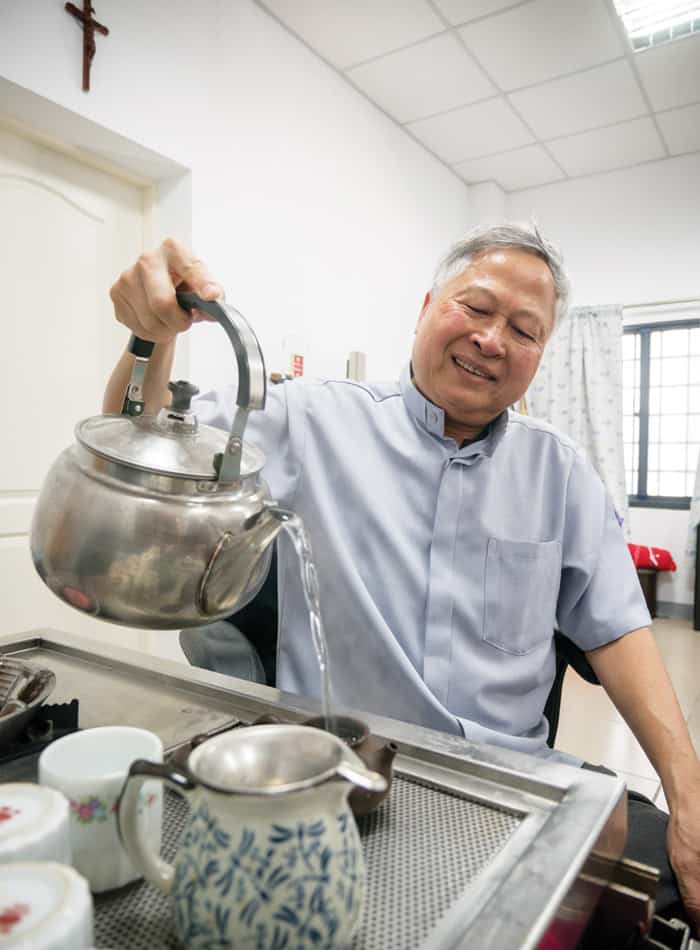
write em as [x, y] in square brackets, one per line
[480, 338]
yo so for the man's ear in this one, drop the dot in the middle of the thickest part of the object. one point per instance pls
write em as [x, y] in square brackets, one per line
[426, 304]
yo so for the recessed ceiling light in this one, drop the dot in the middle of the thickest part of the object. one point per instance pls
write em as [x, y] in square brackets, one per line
[650, 22]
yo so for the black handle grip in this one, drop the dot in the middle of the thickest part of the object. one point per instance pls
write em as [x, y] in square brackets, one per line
[251, 365]
[140, 348]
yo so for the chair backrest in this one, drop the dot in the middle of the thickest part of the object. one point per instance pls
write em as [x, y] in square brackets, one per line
[257, 621]
[567, 654]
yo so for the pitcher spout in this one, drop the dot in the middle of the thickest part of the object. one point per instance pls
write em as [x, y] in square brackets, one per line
[353, 770]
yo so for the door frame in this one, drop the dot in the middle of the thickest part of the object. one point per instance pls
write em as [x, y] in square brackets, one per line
[166, 182]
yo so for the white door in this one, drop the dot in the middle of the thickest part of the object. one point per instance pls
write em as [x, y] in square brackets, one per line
[66, 232]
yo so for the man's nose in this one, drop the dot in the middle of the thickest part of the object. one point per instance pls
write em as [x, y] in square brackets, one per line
[490, 339]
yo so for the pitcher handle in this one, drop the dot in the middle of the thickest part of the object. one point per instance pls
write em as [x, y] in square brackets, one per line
[131, 830]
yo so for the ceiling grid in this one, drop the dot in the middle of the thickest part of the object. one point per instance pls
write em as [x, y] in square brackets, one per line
[520, 93]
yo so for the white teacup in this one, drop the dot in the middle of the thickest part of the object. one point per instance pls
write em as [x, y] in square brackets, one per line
[90, 768]
[34, 824]
[44, 906]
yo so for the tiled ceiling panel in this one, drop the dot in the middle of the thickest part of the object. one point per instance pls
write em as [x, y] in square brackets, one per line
[461, 11]
[347, 32]
[603, 149]
[518, 92]
[681, 129]
[671, 73]
[590, 99]
[429, 77]
[481, 129]
[542, 40]
[521, 168]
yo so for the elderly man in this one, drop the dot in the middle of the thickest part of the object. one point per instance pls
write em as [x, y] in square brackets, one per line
[450, 534]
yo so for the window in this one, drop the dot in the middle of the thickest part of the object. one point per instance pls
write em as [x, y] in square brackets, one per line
[661, 412]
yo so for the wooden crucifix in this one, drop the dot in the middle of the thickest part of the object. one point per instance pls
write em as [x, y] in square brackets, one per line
[89, 25]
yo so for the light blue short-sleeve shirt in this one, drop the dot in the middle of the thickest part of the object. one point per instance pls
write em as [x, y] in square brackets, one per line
[443, 570]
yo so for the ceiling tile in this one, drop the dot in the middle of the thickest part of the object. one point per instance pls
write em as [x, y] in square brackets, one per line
[430, 77]
[600, 96]
[346, 32]
[542, 40]
[603, 149]
[681, 129]
[671, 73]
[461, 11]
[481, 129]
[521, 168]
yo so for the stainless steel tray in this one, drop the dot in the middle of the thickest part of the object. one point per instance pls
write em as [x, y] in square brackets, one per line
[476, 846]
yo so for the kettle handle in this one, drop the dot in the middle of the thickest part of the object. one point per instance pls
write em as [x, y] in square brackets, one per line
[252, 383]
[252, 387]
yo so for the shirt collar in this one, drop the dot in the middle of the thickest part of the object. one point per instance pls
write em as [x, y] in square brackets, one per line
[431, 418]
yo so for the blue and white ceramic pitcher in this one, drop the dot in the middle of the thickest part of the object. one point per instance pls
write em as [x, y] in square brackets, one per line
[270, 856]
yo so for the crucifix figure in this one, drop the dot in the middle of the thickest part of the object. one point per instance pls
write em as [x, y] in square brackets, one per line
[84, 17]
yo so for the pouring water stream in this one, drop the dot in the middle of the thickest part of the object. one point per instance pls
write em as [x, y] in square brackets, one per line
[294, 527]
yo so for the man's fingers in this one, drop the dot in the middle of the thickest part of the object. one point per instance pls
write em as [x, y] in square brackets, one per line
[684, 853]
[689, 887]
[144, 296]
[190, 270]
[143, 324]
[157, 295]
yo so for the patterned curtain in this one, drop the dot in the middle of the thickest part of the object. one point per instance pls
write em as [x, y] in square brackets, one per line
[693, 522]
[578, 389]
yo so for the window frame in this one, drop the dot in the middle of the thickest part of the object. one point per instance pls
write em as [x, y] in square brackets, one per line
[677, 502]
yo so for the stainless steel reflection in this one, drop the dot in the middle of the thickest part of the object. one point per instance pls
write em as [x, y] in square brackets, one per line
[31, 687]
[278, 759]
[156, 521]
[476, 847]
[141, 549]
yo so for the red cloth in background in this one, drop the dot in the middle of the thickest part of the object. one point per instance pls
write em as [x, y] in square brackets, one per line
[655, 558]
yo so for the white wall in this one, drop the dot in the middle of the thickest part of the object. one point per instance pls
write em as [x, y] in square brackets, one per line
[322, 218]
[630, 236]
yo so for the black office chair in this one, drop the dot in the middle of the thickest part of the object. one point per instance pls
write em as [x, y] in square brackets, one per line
[254, 655]
[567, 654]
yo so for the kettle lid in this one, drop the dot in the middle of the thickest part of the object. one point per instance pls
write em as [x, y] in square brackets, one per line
[161, 445]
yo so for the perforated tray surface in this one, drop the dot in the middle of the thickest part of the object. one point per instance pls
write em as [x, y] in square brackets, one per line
[422, 848]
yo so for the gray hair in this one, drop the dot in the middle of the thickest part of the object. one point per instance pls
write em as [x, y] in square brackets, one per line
[526, 238]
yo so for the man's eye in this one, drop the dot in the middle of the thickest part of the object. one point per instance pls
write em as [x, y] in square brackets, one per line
[528, 336]
[475, 309]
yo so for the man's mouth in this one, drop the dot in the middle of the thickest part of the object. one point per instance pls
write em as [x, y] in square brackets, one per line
[473, 370]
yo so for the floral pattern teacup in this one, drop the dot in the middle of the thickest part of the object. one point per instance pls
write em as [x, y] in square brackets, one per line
[90, 768]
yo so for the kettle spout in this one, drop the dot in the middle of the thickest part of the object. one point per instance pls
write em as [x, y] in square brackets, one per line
[263, 527]
[238, 566]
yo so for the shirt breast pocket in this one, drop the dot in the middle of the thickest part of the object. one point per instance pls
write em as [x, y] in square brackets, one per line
[520, 593]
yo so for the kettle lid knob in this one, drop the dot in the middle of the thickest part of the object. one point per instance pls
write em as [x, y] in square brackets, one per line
[182, 394]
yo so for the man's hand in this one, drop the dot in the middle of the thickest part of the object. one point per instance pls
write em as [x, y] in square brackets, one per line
[633, 674]
[683, 840]
[144, 296]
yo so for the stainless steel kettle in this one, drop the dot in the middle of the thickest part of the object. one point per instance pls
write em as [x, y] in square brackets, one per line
[156, 521]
